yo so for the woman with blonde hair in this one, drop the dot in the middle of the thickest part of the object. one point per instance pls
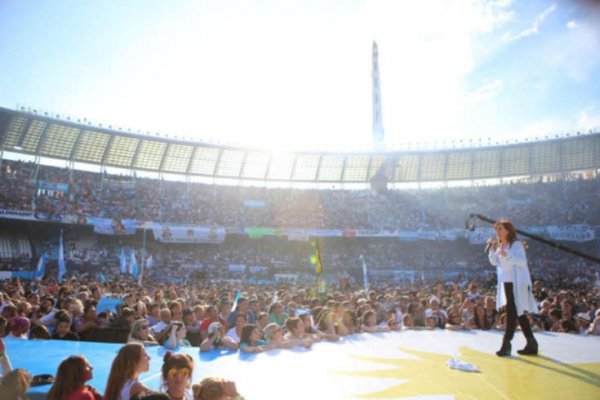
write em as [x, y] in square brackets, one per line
[126, 368]
[15, 384]
[71, 376]
[215, 389]
[140, 333]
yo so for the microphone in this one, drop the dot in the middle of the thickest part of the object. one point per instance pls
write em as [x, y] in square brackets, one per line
[490, 243]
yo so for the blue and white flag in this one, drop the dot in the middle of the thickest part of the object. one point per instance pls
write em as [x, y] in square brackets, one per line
[40, 269]
[123, 261]
[62, 269]
[238, 294]
[365, 274]
[149, 262]
[134, 270]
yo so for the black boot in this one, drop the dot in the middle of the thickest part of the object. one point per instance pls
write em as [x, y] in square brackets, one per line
[530, 349]
[505, 349]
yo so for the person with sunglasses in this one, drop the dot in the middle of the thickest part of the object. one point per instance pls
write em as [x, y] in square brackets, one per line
[177, 370]
[140, 333]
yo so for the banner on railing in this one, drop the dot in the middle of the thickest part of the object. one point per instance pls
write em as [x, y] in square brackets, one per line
[298, 234]
[188, 234]
[16, 214]
[114, 226]
[571, 233]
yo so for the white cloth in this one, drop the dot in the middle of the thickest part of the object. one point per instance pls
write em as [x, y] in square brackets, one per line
[232, 333]
[513, 268]
[455, 363]
[126, 391]
[158, 328]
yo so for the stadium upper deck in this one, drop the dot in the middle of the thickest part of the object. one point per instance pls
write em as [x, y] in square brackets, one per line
[45, 136]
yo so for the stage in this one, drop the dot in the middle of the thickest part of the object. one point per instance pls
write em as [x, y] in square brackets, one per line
[397, 365]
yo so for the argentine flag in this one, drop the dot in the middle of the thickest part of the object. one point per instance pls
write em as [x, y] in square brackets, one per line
[123, 261]
[62, 269]
[40, 269]
[149, 262]
[133, 264]
[365, 274]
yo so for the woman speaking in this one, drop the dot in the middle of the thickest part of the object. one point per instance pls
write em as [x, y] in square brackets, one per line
[514, 286]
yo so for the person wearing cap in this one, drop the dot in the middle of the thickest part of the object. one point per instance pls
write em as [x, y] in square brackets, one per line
[584, 321]
[216, 339]
[434, 310]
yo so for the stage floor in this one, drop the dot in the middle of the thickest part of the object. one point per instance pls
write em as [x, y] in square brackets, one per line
[397, 365]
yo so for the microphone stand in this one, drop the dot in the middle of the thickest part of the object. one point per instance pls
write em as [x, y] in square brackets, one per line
[550, 243]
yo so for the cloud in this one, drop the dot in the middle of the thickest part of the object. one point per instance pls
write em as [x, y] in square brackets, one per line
[572, 24]
[486, 92]
[533, 29]
[589, 118]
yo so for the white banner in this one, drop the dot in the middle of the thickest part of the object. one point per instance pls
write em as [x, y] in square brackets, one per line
[188, 234]
[297, 234]
[571, 233]
[237, 267]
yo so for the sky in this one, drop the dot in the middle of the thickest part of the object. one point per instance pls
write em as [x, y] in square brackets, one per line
[296, 75]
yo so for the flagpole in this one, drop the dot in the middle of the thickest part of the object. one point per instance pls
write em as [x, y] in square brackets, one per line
[62, 270]
[141, 275]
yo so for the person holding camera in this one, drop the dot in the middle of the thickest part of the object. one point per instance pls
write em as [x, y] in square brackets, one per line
[177, 334]
[514, 286]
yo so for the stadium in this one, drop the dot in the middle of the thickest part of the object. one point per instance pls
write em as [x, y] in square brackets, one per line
[409, 238]
[145, 266]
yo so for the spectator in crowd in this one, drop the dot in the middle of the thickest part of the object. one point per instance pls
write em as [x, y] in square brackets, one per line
[39, 332]
[14, 385]
[215, 389]
[62, 331]
[160, 331]
[250, 341]
[235, 333]
[277, 314]
[140, 333]
[242, 307]
[296, 332]
[273, 335]
[19, 326]
[177, 334]
[177, 371]
[216, 339]
[131, 361]
[71, 376]
[369, 323]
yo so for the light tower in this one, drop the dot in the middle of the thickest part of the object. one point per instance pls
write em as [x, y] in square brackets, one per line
[378, 135]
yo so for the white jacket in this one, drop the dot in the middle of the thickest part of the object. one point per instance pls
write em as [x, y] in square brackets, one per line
[513, 268]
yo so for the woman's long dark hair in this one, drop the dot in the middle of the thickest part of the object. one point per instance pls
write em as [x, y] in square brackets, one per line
[512, 231]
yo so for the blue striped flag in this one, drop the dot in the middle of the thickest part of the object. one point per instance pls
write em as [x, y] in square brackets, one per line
[62, 269]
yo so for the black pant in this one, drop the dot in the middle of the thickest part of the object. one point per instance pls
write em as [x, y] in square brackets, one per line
[511, 316]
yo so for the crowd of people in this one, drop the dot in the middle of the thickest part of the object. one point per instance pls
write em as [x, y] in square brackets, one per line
[257, 318]
[24, 186]
[190, 296]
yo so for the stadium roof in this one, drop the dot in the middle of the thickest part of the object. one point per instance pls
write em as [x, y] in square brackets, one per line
[29, 133]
